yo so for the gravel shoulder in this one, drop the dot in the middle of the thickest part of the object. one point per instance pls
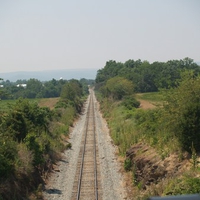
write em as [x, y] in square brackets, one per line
[60, 184]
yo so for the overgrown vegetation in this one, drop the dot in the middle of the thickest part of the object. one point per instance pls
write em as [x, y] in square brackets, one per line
[172, 127]
[147, 77]
[31, 139]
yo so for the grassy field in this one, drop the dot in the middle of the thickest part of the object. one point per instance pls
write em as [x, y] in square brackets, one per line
[48, 102]
[6, 104]
[151, 96]
[150, 100]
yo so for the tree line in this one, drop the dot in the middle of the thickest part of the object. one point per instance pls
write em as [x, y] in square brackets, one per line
[147, 77]
[33, 88]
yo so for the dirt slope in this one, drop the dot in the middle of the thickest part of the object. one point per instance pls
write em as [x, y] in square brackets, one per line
[146, 104]
[151, 170]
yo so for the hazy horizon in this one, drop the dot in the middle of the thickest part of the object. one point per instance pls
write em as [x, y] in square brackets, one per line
[46, 75]
[49, 35]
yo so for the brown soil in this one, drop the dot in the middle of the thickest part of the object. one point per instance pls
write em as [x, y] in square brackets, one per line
[149, 168]
[48, 102]
[146, 104]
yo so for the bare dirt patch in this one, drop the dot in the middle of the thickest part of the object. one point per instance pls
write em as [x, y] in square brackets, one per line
[146, 104]
[48, 102]
[151, 169]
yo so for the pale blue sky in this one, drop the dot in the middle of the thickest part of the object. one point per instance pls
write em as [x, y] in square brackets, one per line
[63, 34]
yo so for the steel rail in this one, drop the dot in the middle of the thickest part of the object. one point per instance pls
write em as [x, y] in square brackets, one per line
[95, 157]
[90, 106]
[83, 154]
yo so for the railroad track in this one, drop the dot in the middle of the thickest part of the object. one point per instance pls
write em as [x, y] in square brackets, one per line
[87, 183]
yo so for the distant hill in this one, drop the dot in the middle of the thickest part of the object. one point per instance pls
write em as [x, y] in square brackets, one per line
[47, 75]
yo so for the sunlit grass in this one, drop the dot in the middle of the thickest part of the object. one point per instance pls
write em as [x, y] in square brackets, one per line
[43, 102]
[151, 96]
[6, 104]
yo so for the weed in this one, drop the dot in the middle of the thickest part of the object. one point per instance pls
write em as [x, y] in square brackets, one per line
[127, 164]
[134, 175]
[140, 185]
[194, 158]
[68, 145]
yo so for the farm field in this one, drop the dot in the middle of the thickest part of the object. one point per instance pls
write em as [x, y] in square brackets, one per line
[150, 100]
[44, 102]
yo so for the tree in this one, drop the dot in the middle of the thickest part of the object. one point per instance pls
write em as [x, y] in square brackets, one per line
[183, 111]
[33, 88]
[71, 93]
[110, 70]
[118, 87]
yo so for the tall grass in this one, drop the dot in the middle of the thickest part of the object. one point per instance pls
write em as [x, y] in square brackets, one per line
[129, 126]
[151, 96]
[121, 124]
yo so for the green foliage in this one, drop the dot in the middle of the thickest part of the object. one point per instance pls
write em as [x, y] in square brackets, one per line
[185, 185]
[7, 155]
[110, 70]
[33, 145]
[85, 83]
[147, 77]
[33, 89]
[195, 162]
[31, 136]
[121, 124]
[183, 112]
[152, 96]
[173, 127]
[179, 120]
[68, 146]
[147, 120]
[71, 93]
[118, 87]
[127, 164]
[24, 117]
[130, 102]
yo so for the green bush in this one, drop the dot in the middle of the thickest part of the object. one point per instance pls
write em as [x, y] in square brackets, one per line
[127, 164]
[8, 155]
[182, 111]
[130, 102]
[186, 185]
[33, 145]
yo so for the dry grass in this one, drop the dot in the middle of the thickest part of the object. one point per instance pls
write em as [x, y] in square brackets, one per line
[25, 160]
[144, 104]
[48, 102]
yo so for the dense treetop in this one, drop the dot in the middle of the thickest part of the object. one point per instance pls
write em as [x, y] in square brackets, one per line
[147, 77]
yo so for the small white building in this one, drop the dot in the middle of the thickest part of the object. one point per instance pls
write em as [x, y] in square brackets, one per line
[1, 86]
[22, 85]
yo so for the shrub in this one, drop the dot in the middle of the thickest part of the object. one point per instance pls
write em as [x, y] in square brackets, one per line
[182, 111]
[186, 185]
[130, 102]
[7, 156]
[33, 145]
[24, 163]
[118, 87]
[127, 164]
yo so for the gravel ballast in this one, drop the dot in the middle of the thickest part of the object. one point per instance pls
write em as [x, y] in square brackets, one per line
[60, 184]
